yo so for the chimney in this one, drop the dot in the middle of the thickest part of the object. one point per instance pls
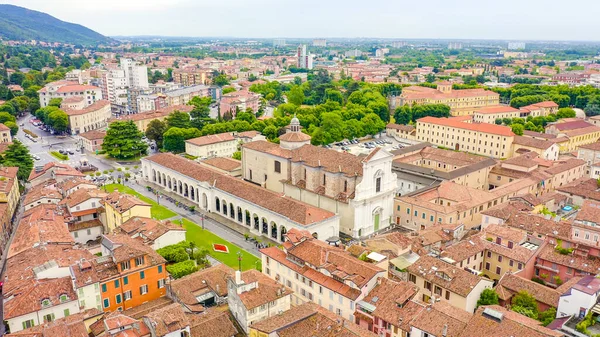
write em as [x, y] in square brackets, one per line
[217, 289]
[238, 277]
[445, 330]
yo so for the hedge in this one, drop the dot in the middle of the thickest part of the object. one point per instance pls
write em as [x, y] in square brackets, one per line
[59, 155]
[181, 269]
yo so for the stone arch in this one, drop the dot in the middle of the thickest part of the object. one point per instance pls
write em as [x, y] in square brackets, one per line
[180, 187]
[265, 227]
[248, 223]
[169, 185]
[185, 190]
[224, 204]
[153, 175]
[163, 179]
[273, 230]
[231, 210]
[159, 179]
[376, 218]
[256, 222]
[197, 195]
[217, 204]
[205, 201]
[282, 232]
[174, 185]
[192, 193]
[240, 215]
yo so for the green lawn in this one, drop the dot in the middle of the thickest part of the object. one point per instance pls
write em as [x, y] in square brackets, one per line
[205, 239]
[157, 211]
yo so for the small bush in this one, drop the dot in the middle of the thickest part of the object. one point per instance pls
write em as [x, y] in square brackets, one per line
[173, 254]
[181, 269]
[102, 152]
[538, 280]
[59, 156]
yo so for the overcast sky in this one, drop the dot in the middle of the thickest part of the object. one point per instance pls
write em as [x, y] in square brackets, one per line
[453, 19]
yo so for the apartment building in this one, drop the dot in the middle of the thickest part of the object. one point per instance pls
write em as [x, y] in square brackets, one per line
[68, 89]
[133, 273]
[591, 154]
[92, 140]
[323, 274]
[544, 148]
[153, 233]
[491, 113]
[578, 133]
[122, 207]
[57, 171]
[221, 144]
[84, 118]
[142, 120]
[192, 76]
[151, 102]
[461, 135]
[461, 102]
[402, 133]
[204, 288]
[43, 194]
[114, 84]
[5, 136]
[253, 297]
[84, 208]
[184, 95]
[439, 280]
[239, 101]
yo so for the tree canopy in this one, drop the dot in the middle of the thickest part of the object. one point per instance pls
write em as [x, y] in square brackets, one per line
[123, 140]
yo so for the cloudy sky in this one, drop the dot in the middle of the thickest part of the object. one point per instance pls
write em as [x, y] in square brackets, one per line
[458, 19]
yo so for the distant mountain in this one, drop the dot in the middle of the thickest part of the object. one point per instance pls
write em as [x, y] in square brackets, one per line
[18, 23]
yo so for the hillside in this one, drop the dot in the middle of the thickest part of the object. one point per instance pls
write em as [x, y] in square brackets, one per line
[18, 23]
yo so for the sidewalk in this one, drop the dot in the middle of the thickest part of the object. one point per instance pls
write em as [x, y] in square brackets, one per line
[226, 229]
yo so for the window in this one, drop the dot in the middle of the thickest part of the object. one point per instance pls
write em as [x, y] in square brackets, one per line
[127, 295]
[160, 269]
[427, 285]
[487, 266]
[520, 266]
[116, 283]
[431, 218]
[416, 213]
[144, 289]
[489, 254]
[161, 283]
[104, 288]
[408, 211]
[511, 263]
[277, 166]
[125, 265]
[346, 188]
[340, 299]
[498, 270]
[118, 298]
[378, 184]
[106, 303]
[28, 324]
[447, 295]
[139, 261]
[438, 291]
[76, 235]
[499, 258]
[126, 279]
[48, 318]
[142, 275]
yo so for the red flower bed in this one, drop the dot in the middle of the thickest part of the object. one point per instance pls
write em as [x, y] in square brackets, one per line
[220, 248]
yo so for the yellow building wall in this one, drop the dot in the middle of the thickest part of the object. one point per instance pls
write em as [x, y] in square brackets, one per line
[115, 219]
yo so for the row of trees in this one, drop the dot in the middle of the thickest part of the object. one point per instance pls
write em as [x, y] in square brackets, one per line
[407, 114]
[536, 124]
[522, 303]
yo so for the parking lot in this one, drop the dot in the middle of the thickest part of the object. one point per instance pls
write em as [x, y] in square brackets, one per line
[357, 147]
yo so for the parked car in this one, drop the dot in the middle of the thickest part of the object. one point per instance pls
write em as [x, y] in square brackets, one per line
[61, 151]
[70, 151]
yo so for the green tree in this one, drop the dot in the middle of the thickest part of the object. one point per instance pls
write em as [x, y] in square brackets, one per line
[547, 316]
[14, 128]
[178, 119]
[58, 120]
[17, 155]
[296, 96]
[227, 90]
[237, 155]
[221, 80]
[174, 139]
[380, 108]
[518, 129]
[525, 304]
[6, 117]
[498, 121]
[372, 124]
[592, 108]
[55, 102]
[270, 132]
[156, 129]
[123, 140]
[488, 297]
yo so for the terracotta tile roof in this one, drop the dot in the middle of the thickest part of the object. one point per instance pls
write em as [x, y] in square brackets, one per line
[336, 261]
[299, 212]
[81, 195]
[292, 316]
[41, 226]
[539, 134]
[401, 127]
[84, 225]
[589, 212]
[29, 299]
[313, 156]
[68, 184]
[223, 163]
[295, 137]
[390, 299]
[148, 229]
[585, 187]
[248, 134]
[462, 250]
[211, 139]
[505, 210]
[123, 202]
[166, 320]
[532, 142]
[511, 284]
[536, 224]
[57, 168]
[101, 104]
[70, 326]
[93, 135]
[125, 248]
[577, 262]
[211, 323]
[43, 191]
[320, 324]
[189, 287]
[268, 290]
[143, 309]
[19, 271]
[511, 324]
[572, 125]
[440, 316]
[477, 127]
[154, 114]
[75, 88]
[317, 277]
[495, 109]
[460, 281]
[545, 104]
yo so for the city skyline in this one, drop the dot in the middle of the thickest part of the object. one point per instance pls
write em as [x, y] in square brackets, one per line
[466, 19]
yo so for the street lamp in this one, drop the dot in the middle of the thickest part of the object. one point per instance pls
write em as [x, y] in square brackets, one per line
[239, 261]
[202, 219]
[157, 198]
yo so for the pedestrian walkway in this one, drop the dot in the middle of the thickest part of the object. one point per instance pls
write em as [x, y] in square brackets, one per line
[224, 228]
